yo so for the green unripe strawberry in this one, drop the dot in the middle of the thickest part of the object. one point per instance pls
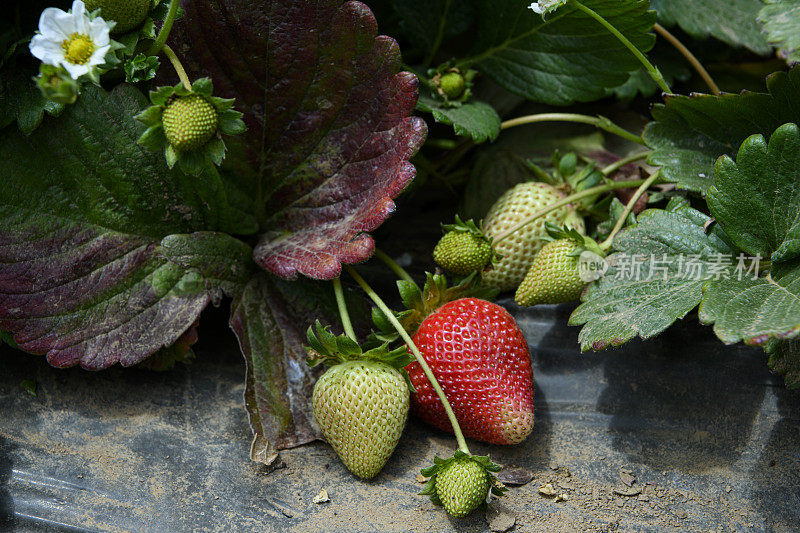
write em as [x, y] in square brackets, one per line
[518, 250]
[462, 486]
[463, 249]
[189, 122]
[461, 482]
[553, 277]
[453, 85]
[128, 14]
[361, 407]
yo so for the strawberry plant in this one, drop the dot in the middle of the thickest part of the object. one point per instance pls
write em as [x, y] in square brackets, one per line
[637, 158]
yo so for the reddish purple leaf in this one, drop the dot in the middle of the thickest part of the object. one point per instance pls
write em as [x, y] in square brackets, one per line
[328, 114]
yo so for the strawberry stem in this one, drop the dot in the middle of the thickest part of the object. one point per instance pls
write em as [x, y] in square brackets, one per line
[176, 63]
[462, 444]
[616, 165]
[163, 34]
[599, 122]
[690, 57]
[564, 201]
[343, 314]
[652, 70]
[606, 244]
[401, 272]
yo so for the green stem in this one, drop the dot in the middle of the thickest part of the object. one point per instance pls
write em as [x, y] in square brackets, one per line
[176, 63]
[462, 444]
[690, 57]
[653, 71]
[599, 122]
[401, 272]
[163, 34]
[606, 244]
[439, 35]
[343, 314]
[616, 165]
[564, 201]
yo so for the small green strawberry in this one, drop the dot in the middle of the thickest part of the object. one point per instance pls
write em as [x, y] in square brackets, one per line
[461, 483]
[554, 276]
[128, 14]
[463, 249]
[518, 250]
[361, 402]
[189, 122]
[453, 85]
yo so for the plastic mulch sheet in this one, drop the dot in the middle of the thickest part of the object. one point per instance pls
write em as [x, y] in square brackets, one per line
[679, 433]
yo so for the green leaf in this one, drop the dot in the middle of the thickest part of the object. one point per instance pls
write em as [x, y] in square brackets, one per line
[731, 21]
[753, 310]
[756, 198]
[675, 258]
[672, 65]
[781, 21]
[83, 210]
[21, 100]
[784, 358]
[422, 20]
[566, 58]
[689, 133]
[225, 263]
[474, 119]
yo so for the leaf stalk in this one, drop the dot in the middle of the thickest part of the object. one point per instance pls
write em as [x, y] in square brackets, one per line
[600, 122]
[649, 67]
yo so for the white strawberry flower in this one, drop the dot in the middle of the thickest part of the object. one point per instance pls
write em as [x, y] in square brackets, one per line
[542, 7]
[71, 39]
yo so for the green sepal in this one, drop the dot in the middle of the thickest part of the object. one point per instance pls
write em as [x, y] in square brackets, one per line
[192, 162]
[153, 138]
[466, 227]
[170, 155]
[203, 87]
[329, 349]
[439, 464]
[435, 294]
[410, 294]
[231, 123]
[151, 116]
[161, 95]
[215, 148]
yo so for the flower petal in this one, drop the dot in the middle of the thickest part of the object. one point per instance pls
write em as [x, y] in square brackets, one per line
[98, 31]
[47, 51]
[79, 14]
[56, 25]
[76, 71]
[99, 55]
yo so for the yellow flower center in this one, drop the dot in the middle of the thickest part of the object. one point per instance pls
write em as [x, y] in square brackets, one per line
[78, 48]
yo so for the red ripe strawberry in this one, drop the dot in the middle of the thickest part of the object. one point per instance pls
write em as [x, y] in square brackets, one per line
[481, 360]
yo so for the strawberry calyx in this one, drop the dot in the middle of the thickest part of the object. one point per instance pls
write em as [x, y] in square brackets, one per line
[432, 472]
[583, 243]
[420, 303]
[452, 85]
[326, 348]
[187, 124]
